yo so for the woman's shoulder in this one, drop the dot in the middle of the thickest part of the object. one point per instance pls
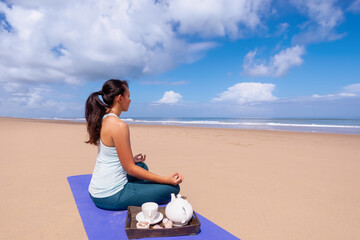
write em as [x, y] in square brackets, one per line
[114, 123]
[113, 127]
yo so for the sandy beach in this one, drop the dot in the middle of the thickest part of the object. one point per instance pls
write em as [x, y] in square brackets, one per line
[256, 184]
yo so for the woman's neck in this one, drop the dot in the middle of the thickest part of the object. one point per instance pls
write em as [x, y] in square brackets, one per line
[116, 111]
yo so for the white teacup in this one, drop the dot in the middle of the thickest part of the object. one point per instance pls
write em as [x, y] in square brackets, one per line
[149, 210]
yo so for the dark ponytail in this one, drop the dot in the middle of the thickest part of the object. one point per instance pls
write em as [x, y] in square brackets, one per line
[96, 108]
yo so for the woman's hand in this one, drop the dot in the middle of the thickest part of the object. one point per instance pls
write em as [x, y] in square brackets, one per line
[174, 179]
[139, 158]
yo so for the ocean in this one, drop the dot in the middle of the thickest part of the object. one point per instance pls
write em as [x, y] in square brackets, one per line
[322, 125]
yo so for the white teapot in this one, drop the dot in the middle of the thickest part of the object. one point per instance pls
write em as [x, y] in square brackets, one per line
[179, 210]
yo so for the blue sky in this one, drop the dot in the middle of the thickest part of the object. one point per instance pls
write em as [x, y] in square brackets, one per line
[297, 58]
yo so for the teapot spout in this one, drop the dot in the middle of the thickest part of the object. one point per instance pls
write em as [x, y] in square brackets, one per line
[172, 196]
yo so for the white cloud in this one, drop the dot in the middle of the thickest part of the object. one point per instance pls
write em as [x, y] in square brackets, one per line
[278, 65]
[332, 96]
[29, 97]
[47, 41]
[281, 29]
[247, 92]
[324, 16]
[75, 41]
[351, 90]
[170, 97]
[354, 7]
[211, 18]
[347, 94]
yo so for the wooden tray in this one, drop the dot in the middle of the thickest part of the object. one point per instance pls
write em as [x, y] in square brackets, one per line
[192, 228]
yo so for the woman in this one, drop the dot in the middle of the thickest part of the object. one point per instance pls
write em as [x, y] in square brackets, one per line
[120, 180]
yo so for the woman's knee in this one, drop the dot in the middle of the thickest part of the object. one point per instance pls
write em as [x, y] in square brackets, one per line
[177, 189]
[170, 190]
[173, 189]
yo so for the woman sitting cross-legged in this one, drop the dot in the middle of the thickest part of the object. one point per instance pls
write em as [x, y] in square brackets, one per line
[120, 180]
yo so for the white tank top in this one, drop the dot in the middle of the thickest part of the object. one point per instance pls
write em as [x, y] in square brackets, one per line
[109, 177]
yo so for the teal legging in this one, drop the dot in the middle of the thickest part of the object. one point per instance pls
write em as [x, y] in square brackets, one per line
[136, 192]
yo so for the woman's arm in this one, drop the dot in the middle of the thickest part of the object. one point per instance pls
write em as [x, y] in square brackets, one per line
[121, 138]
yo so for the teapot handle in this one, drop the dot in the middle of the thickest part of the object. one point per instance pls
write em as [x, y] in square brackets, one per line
[184, 212]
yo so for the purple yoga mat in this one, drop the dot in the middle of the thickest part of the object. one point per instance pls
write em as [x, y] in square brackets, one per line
[102, 224]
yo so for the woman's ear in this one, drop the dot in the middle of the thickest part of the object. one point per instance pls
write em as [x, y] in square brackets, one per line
[118, 98]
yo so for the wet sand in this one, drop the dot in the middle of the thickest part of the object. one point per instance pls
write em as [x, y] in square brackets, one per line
[256, 184]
